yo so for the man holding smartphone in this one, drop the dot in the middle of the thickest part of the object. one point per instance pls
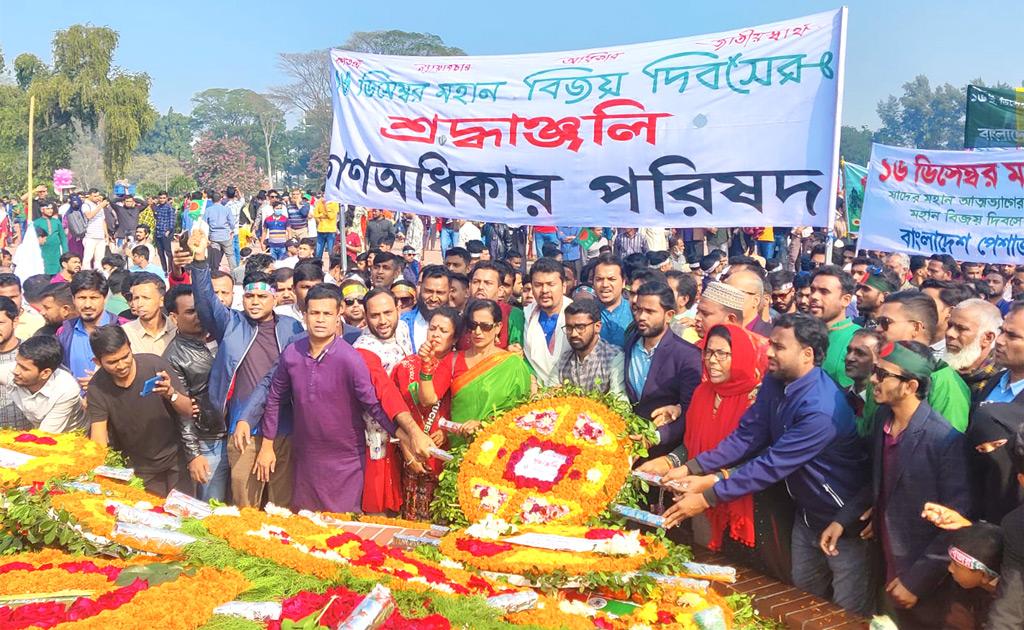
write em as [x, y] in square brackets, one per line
[135, 401]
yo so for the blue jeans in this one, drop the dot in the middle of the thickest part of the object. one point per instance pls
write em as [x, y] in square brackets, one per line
[279, 253]
[216, 454]
[766, 249]
[539, 240]
[238, 250]
[849, 573]
[449, 238]
[324, 242]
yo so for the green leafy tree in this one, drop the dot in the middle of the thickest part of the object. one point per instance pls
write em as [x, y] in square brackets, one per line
[855, 144]
[240, 114]
[309, 89]
[923, 117]
[84, 87]
[171, 135]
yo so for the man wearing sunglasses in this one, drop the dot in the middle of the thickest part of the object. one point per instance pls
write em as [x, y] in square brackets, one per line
[872, 288]
[917, 456]
[911, 316]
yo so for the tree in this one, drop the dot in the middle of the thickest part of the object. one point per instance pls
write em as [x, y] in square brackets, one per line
[221, 162]
[171, 134]
[83, 87]
[156, 170]
[309, 91]
[855, 144]
[240, 114]
[922, 117]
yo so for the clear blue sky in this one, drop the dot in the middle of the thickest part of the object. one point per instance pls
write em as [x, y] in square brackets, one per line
[234, 43]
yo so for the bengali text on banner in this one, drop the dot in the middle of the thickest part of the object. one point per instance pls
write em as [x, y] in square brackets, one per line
[730, 129]
[969, 204]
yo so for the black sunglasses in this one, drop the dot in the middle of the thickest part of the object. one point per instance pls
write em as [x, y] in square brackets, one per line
[351, 301]
[482, 326]
[882, 374]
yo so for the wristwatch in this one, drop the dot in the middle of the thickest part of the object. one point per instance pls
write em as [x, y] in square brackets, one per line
[174, 397]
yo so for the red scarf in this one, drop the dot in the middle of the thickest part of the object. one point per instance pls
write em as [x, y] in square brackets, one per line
[707, 426]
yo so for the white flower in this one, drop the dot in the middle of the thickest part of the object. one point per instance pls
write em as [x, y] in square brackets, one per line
[451, 564]
[144, 505]
[226, 510]
[490, 528]
[625, 544]
[487, 446]
[577, 607]
[276, 510]
[594, 475]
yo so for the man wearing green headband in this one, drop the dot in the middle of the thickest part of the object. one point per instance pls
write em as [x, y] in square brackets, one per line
[872, 288]
[916, 455]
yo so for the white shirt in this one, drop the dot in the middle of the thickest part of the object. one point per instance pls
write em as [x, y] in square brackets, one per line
[56, 407]
[468, 232]
[289, 262]
[291, 310]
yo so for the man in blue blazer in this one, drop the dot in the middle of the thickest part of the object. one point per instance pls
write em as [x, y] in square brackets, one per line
[918, 457]
[662, 370]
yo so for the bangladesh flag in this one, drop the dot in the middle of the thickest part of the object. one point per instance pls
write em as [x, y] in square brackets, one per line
[588, 236]
[855, 177]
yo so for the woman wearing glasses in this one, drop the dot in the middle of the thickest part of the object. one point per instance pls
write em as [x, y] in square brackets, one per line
[488, 380]
[425, 379]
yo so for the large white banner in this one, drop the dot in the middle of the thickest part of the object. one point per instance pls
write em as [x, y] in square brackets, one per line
[969, 204]
[730, 129]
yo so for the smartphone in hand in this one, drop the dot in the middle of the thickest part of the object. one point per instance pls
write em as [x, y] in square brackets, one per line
[149, 386]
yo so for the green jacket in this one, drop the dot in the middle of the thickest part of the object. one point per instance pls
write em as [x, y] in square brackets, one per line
[949, 395]
[839, 336]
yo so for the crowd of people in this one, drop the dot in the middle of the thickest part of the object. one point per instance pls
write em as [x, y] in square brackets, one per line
[846, 421]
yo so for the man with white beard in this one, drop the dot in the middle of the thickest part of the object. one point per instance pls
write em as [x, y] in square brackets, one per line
[970, 339]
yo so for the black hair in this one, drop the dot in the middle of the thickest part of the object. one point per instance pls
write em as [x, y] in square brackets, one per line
[847, 285]
[107, 340]
[489, 265]
[372, 293]
[308, 270]
[140, 250]
[924, 383]
[119, 281]
[547, 265]
[308, 242]
[171, 297]
[258, 276]
[282, 275]
[778, 279]
[802, 280]
[948, 263]
[162, 192]
[591, 308]
[919, 305]
[45, 352]
[384, 257]
[60, 292]
[483, 305]
[452, 315]
[871, 333]
[476, 246]
[458, 277]
[810, 332]
[117, 261]
[258, 262]
[686, 285]
[245, 252]
[460, 252]
[434, 271]
[1017, 450]
[34, 286]
[982, 541]
[610, 260]
[9, 308]
[719, 331]
[324, 291]
[147, 277]
[230, 192]
[918, 262]
[216, 274]
[88, 280]
[646, 274]
[633, 262]
[143, 227]
[951, 292]
[656, 259]
[10, 280]
[666, 297]
[550, 250]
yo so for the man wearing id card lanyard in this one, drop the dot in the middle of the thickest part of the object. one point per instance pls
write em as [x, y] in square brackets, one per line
[149, 423]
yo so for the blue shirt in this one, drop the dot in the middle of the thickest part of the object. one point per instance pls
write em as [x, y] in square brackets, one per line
[221, 220]
[80, 358]
[150, 268]
[570, 249]
[548, 324]
[614, 323]
[164, 215]
[1005, 391]
[298, 216]
[640, 365]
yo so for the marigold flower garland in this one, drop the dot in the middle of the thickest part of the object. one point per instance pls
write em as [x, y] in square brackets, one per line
[65, 454]
[306, 547]
[97, 514]
[555, 460]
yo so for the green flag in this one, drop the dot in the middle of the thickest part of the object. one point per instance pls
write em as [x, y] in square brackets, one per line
[854, 179]
[995, 118]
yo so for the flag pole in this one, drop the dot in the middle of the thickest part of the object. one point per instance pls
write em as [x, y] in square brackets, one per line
[31, 139]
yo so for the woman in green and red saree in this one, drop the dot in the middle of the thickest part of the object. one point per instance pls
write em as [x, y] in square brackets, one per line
[425, 380]
[488, 380]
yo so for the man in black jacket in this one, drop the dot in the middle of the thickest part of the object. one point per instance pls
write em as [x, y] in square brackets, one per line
[191, 357]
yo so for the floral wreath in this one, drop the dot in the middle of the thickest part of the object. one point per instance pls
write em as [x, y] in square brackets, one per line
[307, 547]
[97, 514]
[101, 600]
[58, 455]
[553, 460]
